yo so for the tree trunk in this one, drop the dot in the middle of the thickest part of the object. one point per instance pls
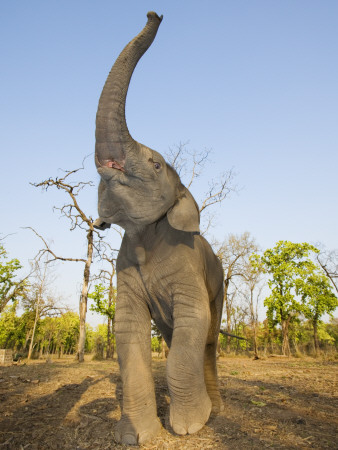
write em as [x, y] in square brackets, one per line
[228, 311]
[110, 343]
[27, 338]
[31, 345]
[30, 351]
[315, 335]
[255, 341]
[82, 333]
[328, 274]
[48, 347]
[285, 336]
[219, 350]
[228, 330]
[269, 340]
[254, 324]
[295, 345]
[84, 298]
[110, 349]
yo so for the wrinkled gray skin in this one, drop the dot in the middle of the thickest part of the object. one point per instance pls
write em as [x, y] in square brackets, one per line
[165, 269]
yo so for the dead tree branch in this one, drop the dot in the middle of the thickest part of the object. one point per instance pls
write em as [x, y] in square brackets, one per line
[328, 261]
[78, 219]
[219, 190]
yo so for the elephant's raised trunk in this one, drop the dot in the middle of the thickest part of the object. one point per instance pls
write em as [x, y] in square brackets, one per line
[112, 136]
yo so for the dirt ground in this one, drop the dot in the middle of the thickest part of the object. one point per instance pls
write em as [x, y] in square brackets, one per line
[272, 403]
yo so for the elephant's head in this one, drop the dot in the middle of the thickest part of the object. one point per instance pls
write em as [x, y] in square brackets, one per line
[137, 186]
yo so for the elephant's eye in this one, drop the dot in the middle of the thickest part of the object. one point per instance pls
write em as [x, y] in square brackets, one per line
[157, 165]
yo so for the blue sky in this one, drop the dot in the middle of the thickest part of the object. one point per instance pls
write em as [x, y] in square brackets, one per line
[255, 81]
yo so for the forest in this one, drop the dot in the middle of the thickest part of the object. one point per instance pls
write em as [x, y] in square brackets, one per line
[279, 300]
[296, 283]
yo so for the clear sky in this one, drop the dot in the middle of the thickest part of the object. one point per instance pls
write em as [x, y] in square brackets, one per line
[255, 81]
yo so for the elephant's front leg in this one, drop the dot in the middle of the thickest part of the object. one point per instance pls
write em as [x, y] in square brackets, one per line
[139, 421]
[190, 404]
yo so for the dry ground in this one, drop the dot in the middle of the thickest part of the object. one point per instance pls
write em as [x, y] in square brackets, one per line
[273, 403]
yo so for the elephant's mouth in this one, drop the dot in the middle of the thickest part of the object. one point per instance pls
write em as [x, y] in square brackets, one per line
[113, 164]
[110, 163]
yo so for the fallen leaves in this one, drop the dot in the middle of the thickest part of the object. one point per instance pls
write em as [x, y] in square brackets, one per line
[257, 403]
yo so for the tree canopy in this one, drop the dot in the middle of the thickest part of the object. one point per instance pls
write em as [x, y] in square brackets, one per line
[298, 286]
[11, 288]
[101, 303]
[287, 264]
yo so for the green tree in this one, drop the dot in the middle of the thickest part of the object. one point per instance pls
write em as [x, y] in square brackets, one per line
[47, 328]
[107, 276]
[8, 322]
[15, 331]
[317, 299]
[99, 341]
[332, 330]
[68, 332]
[11, 288]
[156, 344]
[287, 264]
[90, 341]
[104, 303]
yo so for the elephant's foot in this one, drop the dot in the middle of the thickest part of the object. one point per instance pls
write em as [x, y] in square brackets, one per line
[190, 418]
[132, 431]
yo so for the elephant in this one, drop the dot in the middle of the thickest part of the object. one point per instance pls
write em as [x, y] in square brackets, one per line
[166, 271]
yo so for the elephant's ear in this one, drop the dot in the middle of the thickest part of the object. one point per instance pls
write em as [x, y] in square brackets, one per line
[184, 215]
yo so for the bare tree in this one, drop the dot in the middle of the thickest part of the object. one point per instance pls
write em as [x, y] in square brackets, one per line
[39, 300]
[234, 254]
[239, 316]
[190, 166]
[78, 219]
[253, 289]
[328, 260]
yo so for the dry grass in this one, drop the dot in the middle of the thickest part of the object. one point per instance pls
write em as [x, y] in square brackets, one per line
[274, 403]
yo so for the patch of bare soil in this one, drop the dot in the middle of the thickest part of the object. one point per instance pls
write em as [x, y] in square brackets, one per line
[274, 403]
